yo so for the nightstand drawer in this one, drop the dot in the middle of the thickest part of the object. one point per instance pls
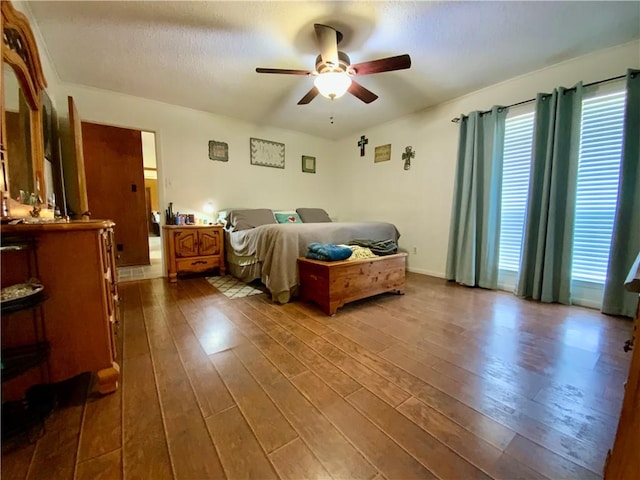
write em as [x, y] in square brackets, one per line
[197, 264]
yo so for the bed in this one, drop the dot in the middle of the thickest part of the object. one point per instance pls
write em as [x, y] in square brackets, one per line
[257, 247]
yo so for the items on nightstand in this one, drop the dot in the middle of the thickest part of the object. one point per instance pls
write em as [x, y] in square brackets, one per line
[169, 217]
[178, 218]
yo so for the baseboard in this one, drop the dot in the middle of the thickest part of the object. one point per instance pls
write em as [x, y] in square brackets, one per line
[585, 295]
[422, 271]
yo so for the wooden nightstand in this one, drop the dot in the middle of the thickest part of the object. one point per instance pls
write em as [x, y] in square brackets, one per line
[193, 249]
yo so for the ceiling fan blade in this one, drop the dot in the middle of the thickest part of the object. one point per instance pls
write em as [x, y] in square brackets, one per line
[328, 43]
[357, 90]
[283, 70]
[389, 64]
[311, 94]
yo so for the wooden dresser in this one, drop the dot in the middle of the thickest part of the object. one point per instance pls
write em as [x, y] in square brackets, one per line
[193, 249]
[75, 263]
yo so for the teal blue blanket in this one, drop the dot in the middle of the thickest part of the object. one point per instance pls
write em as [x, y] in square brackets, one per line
[328, 252]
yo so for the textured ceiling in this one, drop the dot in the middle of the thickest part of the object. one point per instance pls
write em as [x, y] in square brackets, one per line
[203, 54]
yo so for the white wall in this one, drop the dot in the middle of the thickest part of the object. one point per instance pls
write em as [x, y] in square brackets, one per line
[186, 175]
[419, 200]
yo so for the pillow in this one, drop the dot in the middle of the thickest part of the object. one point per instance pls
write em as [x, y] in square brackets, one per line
[313, 215]
[287, 217]
[249, 218]
[223, 214]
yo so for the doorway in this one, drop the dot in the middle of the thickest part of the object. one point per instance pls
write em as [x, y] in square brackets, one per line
[121, 177]
[152, 202]
[152, 207]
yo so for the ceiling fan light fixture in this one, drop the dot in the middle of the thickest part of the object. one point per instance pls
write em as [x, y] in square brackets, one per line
[332, 84]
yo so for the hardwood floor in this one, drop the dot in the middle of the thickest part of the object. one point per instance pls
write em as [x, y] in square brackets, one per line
[444, 382]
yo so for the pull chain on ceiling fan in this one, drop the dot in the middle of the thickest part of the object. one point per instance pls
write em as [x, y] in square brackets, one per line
[334, 72]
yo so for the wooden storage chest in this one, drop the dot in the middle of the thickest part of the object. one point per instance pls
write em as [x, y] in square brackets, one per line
[332, 284]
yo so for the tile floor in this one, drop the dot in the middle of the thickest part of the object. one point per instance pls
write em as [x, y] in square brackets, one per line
[141, 272]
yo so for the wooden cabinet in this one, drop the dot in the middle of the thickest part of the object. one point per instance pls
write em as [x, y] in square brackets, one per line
[193, 249]
[76, 264]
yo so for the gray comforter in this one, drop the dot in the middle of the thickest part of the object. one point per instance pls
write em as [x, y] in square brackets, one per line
[277, 247]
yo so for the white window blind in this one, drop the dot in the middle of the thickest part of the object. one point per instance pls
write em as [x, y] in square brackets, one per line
[518, 139]
[597, 191]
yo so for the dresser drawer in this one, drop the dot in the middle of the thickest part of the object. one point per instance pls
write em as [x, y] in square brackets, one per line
[197, 264]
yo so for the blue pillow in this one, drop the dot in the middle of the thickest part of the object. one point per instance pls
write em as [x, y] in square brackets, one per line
[287, 217]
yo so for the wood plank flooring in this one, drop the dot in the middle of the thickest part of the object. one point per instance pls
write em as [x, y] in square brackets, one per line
[444, 382]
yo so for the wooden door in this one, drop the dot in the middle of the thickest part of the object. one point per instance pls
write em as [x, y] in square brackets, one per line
[115, 187]
[209, 242]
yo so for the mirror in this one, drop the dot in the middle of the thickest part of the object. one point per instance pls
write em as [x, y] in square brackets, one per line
[23, 138]
[20, 173]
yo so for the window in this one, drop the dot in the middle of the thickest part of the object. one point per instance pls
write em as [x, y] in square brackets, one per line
[601, 131]
[518, 140]
[597, 193]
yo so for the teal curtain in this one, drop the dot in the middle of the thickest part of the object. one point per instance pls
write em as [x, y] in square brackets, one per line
[545, 266]
[625, 241]
[475, 220]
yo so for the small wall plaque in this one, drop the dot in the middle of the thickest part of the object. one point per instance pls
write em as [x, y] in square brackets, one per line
[383, 153]
[218, 151]
[308, 164]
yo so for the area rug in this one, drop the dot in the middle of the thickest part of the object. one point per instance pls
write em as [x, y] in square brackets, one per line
[234, 288]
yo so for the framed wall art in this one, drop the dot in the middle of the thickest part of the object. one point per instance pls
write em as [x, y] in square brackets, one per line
[383, 153]
[266, 153]
[218, 151]
[308, 164]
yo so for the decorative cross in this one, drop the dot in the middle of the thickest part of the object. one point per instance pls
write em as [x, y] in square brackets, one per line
[363, 141]
[407, 156]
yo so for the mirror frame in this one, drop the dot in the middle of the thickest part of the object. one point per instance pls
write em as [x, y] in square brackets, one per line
[20, 52]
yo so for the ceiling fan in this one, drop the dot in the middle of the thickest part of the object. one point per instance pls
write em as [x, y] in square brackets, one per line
[334, 72]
